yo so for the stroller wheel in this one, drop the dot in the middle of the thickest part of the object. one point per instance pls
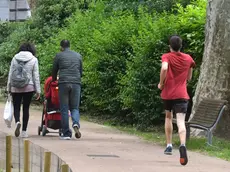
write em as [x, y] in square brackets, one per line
[39, 130]
[44, 131]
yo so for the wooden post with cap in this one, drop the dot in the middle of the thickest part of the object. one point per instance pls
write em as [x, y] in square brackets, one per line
[8, 153]
[26, 156]
[47, 163]
[65, 168]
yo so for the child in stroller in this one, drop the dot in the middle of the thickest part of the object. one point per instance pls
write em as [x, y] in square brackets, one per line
[51, 116]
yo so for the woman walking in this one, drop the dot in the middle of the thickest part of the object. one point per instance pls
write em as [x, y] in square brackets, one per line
[23, 82]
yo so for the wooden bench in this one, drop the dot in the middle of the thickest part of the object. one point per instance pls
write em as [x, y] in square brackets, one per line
[206, 117]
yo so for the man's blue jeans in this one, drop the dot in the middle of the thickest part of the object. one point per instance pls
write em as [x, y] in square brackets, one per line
[69, 95]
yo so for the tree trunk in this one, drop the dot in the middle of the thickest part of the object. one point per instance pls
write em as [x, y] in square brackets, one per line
[32, 4]
[214, 79]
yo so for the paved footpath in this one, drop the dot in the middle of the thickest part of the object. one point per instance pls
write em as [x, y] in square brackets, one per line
[133, 154]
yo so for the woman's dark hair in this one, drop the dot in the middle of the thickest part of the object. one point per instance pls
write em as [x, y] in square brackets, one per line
[28, 47]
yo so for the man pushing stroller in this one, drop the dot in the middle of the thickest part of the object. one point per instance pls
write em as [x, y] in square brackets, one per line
[69, 65]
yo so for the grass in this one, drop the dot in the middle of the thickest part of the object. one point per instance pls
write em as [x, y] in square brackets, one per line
[220, 147]
[2, 99]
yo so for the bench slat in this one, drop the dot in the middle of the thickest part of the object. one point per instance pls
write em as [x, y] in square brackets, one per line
[207, 112]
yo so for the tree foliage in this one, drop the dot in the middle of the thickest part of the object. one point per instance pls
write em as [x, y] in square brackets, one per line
[121, 53]
[121, 43]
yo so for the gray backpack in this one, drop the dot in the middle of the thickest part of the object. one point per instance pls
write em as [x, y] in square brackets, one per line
[19, 77]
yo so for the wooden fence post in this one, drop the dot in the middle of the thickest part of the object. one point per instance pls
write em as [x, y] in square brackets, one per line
[26, 156]
[8, 153]
[47, 163]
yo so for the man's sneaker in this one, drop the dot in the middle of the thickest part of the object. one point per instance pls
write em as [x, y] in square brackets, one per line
[183, 155]
[24, 134]
[77, 132]
[65, 138]
[17, 130]
[168, 151]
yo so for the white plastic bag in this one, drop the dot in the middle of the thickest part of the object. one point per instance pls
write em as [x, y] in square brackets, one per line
[8, 111]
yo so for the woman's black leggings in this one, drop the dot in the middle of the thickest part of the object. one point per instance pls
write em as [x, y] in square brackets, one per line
[17, 100]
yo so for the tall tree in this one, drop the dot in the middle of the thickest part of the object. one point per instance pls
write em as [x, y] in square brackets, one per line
[214, 79]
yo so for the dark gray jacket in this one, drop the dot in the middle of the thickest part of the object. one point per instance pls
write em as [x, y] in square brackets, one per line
[69, 65]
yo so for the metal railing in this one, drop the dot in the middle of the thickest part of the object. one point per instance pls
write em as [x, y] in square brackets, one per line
[18, 155]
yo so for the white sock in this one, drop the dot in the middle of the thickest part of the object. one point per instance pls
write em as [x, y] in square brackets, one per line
[169, 145]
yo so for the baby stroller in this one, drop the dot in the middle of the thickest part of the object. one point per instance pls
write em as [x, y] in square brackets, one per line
[51, 116]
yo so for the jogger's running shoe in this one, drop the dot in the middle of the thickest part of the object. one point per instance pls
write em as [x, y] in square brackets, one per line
[183, 155]
[168, 151]
[77, 132]
[17, 130]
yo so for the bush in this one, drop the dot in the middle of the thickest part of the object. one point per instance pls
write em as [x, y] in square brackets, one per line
[121, 54]
[121, 50]
[47, 18]
[10, 46]
[6, 28]
[192, 29]
[140, 92]
[104, 43]
[51, 15]
[151, 5]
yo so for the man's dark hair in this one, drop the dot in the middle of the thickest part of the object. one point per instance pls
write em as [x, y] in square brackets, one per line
[65, 44]
[27, 47]
[175, 42]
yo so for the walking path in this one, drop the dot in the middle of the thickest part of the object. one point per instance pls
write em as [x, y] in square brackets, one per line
[102, 149]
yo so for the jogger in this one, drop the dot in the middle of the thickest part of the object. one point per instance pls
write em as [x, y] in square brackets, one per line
[175, 71]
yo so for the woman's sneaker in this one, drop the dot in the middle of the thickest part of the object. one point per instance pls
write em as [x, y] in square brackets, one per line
[77, 132]
[65, 138]
[24, 134]
[183, 155]
[168, 150]
[17, 130]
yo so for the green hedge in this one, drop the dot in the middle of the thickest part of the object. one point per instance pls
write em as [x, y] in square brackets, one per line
[121, 54]
[121, 50]
[140, 91]
[150, 5]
